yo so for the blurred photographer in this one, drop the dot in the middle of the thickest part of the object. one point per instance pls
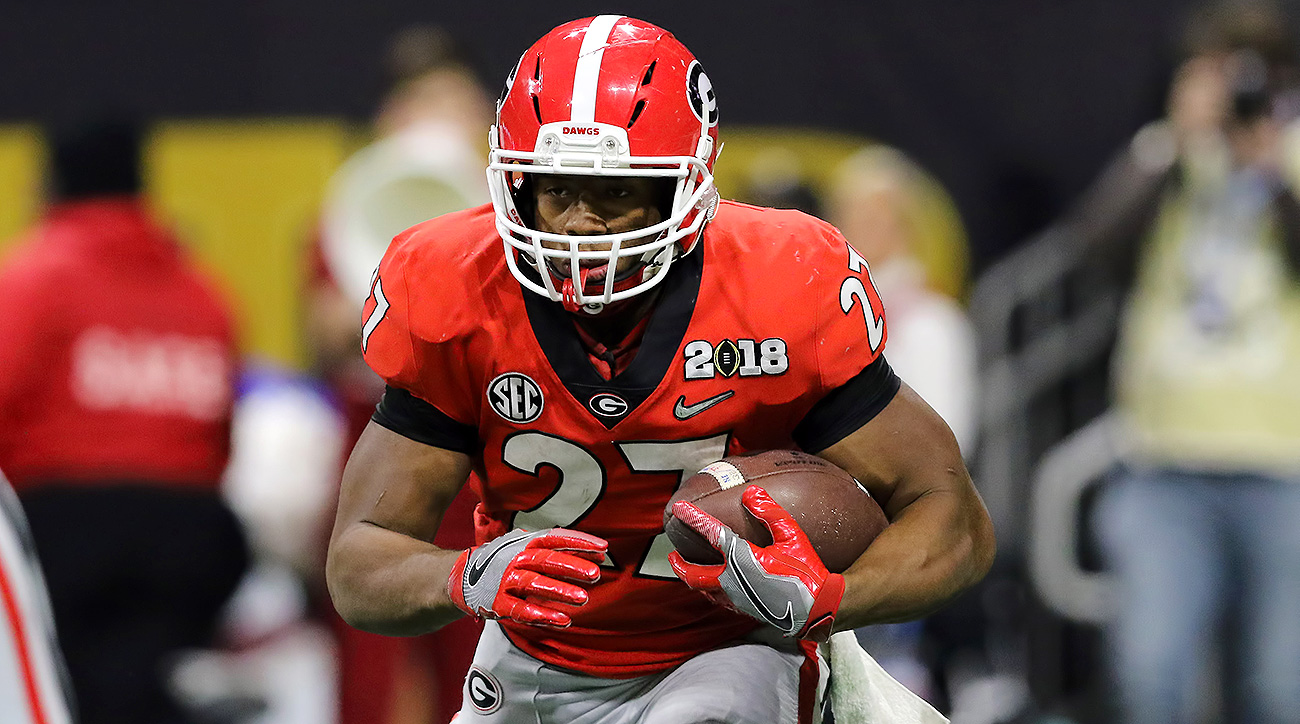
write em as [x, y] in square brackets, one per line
[1199, 527]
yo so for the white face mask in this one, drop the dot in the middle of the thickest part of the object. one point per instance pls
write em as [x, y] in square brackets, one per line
[596, 149]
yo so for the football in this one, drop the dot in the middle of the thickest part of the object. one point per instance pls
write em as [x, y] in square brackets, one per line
[839, 516]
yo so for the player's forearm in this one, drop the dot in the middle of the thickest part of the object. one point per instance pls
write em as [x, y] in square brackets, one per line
[937, 547]
[389, 583]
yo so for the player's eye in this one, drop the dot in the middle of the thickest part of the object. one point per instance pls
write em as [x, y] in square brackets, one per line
[618, 192]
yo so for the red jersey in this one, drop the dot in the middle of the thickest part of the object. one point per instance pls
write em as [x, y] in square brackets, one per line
[117, 357]
[774, 314]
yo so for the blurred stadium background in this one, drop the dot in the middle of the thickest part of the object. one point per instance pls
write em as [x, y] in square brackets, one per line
[1012, 107]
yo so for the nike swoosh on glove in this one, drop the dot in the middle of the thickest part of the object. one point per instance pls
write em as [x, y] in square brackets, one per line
[518, 574]
[785, 584]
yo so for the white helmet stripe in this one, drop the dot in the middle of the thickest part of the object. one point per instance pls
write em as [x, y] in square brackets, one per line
[583, 106]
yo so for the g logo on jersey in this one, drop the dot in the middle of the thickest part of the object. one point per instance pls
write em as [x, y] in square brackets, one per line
[482, 690]
[515, 397]
[607, 404]
[699, 91]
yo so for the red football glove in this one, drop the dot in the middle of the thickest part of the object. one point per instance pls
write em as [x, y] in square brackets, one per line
[516, 575]
[785, 584]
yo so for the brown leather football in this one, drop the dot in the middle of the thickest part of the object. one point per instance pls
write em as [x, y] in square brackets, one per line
[839, 516]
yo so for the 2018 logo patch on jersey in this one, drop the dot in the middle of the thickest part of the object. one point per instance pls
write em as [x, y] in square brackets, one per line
[746, 357]
[516, 397]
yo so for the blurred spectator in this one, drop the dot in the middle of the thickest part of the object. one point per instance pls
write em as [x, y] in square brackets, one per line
[1200, 527]
[776, 179]
[117, 361]
[877, 199]
[33, 677]
[278, 664]
[427, 159]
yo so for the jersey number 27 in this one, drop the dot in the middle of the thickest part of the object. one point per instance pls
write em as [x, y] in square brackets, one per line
[583, 480]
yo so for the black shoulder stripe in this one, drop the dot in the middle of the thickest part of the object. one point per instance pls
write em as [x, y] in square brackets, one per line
[848, 407]
[411, 417]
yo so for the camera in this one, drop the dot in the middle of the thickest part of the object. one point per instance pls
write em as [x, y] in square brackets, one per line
[1250, 95]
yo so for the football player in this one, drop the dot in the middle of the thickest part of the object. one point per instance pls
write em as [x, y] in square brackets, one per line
[635, 329]
[33, 675]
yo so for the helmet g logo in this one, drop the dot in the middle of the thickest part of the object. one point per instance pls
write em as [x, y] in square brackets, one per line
[510, 82]
[699, 91]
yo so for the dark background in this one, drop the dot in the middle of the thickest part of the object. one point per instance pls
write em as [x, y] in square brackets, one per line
[1013, 104]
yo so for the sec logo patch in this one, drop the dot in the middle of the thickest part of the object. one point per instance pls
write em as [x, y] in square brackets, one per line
[516, 397]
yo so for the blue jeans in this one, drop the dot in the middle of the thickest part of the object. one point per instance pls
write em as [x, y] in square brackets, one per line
[1190, 550]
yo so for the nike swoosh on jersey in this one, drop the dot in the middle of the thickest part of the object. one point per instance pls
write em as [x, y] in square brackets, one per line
[785, 622]
[475, 570]
[683, 411]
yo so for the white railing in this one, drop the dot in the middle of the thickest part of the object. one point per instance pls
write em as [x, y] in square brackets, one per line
[1064, 476]
[1031, 340]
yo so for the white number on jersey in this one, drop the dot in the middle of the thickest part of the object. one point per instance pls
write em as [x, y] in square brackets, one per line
[583, 480]
[853, 291]
[376, 314]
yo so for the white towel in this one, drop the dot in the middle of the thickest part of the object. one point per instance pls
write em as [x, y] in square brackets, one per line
[864, 693]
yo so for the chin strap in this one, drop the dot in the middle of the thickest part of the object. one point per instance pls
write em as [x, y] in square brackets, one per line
[567, 296]
[568, 291]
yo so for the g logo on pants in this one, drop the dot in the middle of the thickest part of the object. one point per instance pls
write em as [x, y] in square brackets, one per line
[483, 690]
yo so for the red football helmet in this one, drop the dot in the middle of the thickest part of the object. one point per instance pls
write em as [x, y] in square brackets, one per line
[613, 96]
